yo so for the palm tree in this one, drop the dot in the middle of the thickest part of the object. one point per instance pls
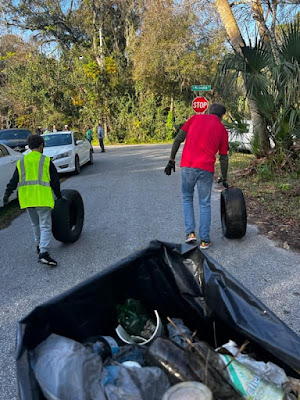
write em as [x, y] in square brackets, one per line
[238, 44]
[272, 83]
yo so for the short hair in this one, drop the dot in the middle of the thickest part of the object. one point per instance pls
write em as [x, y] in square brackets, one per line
[217, 109]
[34, 141]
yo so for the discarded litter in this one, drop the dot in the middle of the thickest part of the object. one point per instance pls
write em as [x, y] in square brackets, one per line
[182, 365]
[176, 336]
[65, 369]
[99, 369]
[105, 346]
[132, 316]
[188, 391]
[135, 325]
[175, 282]
[268, 371]
[119, 382]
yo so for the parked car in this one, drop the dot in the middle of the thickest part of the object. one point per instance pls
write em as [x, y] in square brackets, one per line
[8, 161]
[68, 150]
[15, 138]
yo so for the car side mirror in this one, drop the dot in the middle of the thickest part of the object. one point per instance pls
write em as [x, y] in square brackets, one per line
[79, 141]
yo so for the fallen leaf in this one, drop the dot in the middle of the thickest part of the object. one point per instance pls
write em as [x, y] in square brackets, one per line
[286, 246]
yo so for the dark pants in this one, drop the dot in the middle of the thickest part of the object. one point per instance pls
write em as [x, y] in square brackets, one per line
[101, 144]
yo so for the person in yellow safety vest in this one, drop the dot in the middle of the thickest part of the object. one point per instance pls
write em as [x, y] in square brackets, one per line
[36, 177]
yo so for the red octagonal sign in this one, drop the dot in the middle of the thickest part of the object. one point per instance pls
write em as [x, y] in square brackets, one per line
[200, 104]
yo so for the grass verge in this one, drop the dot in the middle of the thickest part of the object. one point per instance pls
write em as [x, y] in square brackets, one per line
[273, 201]
[9, 213]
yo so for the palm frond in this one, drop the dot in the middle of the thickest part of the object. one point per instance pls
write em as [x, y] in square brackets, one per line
[290, 45]
[257, 58]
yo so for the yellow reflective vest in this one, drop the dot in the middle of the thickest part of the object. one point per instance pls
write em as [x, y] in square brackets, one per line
[34, 188]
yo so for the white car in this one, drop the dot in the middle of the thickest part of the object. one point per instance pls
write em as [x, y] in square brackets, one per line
[68, 150]
[8, 163]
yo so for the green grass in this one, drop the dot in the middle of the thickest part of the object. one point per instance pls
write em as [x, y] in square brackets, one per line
[9, 213]
[277, 194]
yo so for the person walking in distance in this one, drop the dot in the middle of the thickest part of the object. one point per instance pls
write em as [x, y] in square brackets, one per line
[204, 136]
[36, 177]
[100, 135]
[89, 134]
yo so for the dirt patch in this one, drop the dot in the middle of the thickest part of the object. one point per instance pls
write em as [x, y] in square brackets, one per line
[9, 213]
[284, 231]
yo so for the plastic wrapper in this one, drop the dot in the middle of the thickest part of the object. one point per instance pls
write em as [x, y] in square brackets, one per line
[175, 335]
[67, 370]
[268, 371]
[252, 386]
[119, 383]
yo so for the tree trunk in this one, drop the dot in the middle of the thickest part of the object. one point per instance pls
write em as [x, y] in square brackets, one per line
[230, 24]
[237, 42]
[99, 54]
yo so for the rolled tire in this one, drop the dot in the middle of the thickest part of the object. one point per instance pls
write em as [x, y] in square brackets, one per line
[233, 213]
[68, 216]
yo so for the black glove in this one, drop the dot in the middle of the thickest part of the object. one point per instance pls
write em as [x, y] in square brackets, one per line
[5, 200]
[224, 181]
[170, 166]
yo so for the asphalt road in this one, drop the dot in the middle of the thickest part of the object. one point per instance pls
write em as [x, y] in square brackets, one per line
[129, 201]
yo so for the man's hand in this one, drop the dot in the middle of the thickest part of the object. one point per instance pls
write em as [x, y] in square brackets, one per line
[170, 166]
[5, 200]
[224, 181]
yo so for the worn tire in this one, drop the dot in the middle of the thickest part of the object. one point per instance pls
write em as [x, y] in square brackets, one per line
[233, 213]
[68, 216]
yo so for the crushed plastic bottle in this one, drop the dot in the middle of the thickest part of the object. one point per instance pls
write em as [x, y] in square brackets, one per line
[183, 365]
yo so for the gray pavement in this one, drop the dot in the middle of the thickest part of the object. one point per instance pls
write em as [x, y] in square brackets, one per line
[129, 201]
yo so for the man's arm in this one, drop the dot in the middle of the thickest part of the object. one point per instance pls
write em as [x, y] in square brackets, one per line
[54, 180]
[12, 185]
[224, 165]
[180, 137]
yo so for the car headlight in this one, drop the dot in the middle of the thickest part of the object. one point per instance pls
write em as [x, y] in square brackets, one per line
[63, 155]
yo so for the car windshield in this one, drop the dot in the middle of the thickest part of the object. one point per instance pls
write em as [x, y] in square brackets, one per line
[57, 140]
[14, 134]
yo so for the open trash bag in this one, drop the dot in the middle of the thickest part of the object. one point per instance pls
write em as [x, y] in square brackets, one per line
[177, 281]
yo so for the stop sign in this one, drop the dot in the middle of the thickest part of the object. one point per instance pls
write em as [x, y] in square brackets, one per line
[200, 104]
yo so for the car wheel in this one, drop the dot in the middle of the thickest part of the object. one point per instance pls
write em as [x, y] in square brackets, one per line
[68, 216]
[77, 165]
[91, 161]
[233, 213]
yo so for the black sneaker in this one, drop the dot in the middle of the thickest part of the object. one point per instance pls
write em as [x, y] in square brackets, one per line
[45, 258]
[190, 238]
[38, 249]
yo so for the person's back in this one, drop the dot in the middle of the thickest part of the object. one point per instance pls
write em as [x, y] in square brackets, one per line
[206, 136]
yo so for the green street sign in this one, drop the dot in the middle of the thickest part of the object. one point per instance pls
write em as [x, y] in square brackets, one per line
[202, 88]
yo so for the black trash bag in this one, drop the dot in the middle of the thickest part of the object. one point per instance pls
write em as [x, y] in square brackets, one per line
[179, 281]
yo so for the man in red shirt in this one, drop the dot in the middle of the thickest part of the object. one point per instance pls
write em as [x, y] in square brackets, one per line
[204, 136]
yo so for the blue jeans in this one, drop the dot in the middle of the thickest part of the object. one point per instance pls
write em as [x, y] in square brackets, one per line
[204, 180]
